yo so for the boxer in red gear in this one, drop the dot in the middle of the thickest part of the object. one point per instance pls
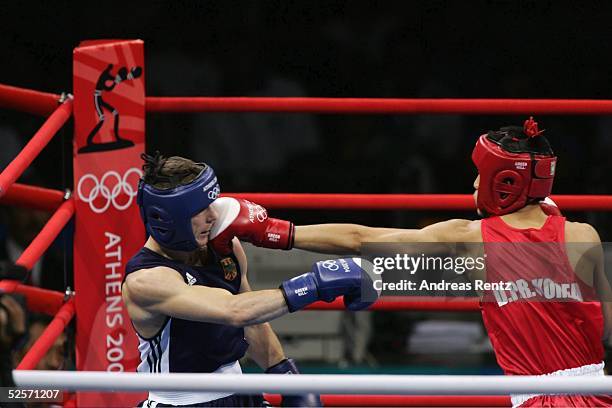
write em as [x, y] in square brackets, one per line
[532, 334]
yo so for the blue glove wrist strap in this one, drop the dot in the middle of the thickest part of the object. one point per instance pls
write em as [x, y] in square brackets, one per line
[300, 291]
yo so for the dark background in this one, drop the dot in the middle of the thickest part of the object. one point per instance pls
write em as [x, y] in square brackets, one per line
[338, 49]
[386, 49]
[464, 49]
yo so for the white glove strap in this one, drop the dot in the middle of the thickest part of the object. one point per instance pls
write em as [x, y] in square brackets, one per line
[227, 209]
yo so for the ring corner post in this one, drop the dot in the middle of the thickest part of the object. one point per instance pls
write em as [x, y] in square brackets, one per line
[109, 126]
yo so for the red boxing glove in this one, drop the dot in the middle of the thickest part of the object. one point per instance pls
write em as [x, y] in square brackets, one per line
[249, 222]
[549, 207]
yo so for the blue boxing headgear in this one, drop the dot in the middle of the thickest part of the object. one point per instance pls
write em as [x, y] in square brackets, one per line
[167, 213]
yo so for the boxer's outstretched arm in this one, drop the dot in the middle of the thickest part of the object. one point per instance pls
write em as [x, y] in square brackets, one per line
[336, 238]
[161, 290]
[347, 238]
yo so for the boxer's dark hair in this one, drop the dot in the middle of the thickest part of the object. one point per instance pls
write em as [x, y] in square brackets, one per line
[513, 139]
[168, 172]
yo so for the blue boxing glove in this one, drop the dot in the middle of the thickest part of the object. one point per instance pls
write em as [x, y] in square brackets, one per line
[330, 279]
[287, 366]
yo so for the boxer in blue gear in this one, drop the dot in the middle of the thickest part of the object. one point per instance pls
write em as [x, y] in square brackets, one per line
[192, 307]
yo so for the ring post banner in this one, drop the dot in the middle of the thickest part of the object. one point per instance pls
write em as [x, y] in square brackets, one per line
[109, 123]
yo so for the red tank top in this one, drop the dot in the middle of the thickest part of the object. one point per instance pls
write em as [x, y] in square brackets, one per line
[545, 318]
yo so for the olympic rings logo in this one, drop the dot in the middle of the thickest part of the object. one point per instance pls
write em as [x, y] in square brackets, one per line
[109, 187]
[256, 211]
[330, 264]
[214, 193]
[261, 213]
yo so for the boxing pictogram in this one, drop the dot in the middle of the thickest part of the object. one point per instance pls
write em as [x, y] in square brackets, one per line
[106, 83]
[110, 187]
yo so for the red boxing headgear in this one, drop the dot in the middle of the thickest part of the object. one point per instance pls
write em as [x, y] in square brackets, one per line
[516, 165]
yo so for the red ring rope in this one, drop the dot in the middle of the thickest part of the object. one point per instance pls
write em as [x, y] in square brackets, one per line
[31, 150]
[462, 202]
[47, 234]
[38, 198]
[37, 299]
[380, 106]
[48, 337]
[398, 303]
[41, 300]
[27, 100]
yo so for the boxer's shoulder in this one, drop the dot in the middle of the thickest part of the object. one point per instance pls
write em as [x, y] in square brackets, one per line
[146, 285]
[580, 232]
[456, 230]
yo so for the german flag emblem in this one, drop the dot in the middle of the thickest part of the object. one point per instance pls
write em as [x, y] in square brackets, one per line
[229, 269]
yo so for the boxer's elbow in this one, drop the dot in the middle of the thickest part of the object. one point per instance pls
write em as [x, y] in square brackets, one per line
[358, 235]
[347, 240]
[361, 234]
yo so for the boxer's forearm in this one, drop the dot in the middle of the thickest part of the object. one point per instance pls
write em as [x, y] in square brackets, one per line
[329, 238]
[337, 238]
[264, 347]
[258, 307]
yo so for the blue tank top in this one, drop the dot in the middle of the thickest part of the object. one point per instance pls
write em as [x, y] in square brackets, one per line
[185, 346]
